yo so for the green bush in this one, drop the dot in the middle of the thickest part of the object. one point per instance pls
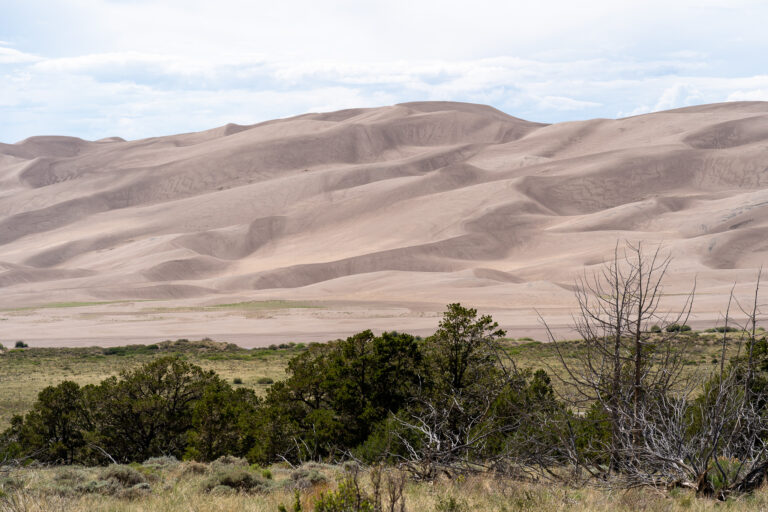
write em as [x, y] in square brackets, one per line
[163, 462]
[20, 344]
[237, 478]
[303, 478]
[296, 503]
[124, 475]
[264, 380]
[678, 328]
[229, 460]
[193, 468]
[237, 380]
[349, 497]
[450, 504]
[731, 469]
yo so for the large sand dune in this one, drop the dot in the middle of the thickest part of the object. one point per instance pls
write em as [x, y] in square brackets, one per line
[379, 216]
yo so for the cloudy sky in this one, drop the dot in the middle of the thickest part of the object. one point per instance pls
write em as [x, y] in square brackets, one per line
[135, 68]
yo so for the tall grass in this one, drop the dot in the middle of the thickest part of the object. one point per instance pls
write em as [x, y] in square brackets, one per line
[187, 487]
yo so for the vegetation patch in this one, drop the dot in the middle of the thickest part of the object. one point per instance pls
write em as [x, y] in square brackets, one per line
[237, 479]
[71, 304]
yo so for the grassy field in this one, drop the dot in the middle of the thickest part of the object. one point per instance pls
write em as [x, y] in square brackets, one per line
[188, 486]
[166, 485]
[24, 372]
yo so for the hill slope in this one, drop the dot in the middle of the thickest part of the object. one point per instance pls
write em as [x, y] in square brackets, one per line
[419, 203]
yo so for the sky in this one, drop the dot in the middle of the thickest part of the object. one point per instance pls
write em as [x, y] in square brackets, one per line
[135, 68]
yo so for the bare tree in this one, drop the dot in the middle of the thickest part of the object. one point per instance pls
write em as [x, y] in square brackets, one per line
[665, 430]
[712, 440]
[628, 350]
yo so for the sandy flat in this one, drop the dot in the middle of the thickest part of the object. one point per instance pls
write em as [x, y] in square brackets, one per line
[370, 218]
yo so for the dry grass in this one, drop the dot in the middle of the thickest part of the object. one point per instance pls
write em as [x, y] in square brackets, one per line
[178, 488]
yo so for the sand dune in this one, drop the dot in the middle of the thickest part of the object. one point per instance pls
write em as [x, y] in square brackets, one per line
[417, 204]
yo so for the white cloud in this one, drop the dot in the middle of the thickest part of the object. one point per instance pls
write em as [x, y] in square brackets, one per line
[754, 95]
[11, 56]
[565, 103]
[138, 94]
[139, 67]
[679, 95]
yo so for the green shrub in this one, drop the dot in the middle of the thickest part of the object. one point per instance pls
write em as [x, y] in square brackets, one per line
[193, 468]
[135, 492]
[163, 462]
[678, 328]
[237, 380]
[115, 480]
[229, 460]
[240, 479]
[655, 328]
[450, 504]
[347, 498]
[124, 475]
[69, 475]
[66, 482]
[303, 478]
[731, 468]
[264, 380]
[20, 344]
[296, 503]
[105, 487]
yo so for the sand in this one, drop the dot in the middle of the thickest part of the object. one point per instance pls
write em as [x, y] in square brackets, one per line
[376, 218]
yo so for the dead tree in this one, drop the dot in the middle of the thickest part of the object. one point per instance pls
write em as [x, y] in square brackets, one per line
[667, 431]
[714, 440]
[626, 350]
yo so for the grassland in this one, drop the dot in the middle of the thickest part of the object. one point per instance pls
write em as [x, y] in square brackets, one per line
[190, 486]
[70, 304]
[185, 486]
[24, 372]
[247, 306]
